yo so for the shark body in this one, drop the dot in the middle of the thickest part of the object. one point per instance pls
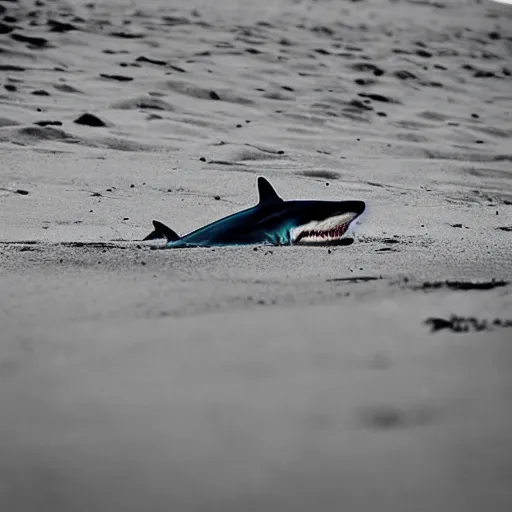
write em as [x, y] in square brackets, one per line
[272, 221]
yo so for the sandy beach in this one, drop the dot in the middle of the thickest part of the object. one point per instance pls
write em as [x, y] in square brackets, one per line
[369, 376]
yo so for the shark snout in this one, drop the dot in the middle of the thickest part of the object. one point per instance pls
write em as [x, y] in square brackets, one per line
[357, 207]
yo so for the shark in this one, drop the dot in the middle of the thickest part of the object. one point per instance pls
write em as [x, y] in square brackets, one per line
[273, 221]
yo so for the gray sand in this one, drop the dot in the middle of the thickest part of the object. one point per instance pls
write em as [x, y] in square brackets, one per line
[269, 378]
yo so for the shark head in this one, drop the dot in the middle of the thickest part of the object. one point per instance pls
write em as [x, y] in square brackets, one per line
[323, 221]
[306, 222]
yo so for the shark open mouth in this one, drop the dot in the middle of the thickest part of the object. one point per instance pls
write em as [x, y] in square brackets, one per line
[331, 235]
[324, 232]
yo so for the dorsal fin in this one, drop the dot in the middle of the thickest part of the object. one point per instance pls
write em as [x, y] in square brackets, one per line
[162, 231]
[267, 192]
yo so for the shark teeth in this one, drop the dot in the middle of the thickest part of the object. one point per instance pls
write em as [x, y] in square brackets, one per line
[328, 230]
[327, 235]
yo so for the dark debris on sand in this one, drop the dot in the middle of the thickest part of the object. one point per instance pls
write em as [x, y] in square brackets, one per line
[151, 61]
[5, 28]
[127, 35]
[462, 285]
[60, 26]
[40, 92]
[356, 279]
[48, 123]
[20, 191]
[90, 120]
[38, 42]
[11, 67]
[460, 324]
[388, 417]
[119, 78]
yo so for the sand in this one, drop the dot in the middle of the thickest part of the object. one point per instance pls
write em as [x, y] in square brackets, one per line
[369, 376]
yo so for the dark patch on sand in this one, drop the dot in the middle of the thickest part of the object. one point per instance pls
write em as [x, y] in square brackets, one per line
[356, 279]
[33, 245]
[5, 29]
[40, 92]
[462, 285]
[377, 97]
[11, 67]
[119, 78]
[179, 69]
[223, 162]
[386, 249]
[143, 102]
[67, 88]
[60, 26]
[20, 191]
[363, 82]
[368, 67]
[279, 152]
[127, 35]
[461, 324]
[403, 74]
[39, 133]
[387, 417]
[336, 243]
[37, 42]
[90, 120]
[48, 123]
[325, 175]
[148, 60]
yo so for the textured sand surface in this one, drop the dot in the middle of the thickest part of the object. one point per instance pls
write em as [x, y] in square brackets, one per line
[269, 378]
